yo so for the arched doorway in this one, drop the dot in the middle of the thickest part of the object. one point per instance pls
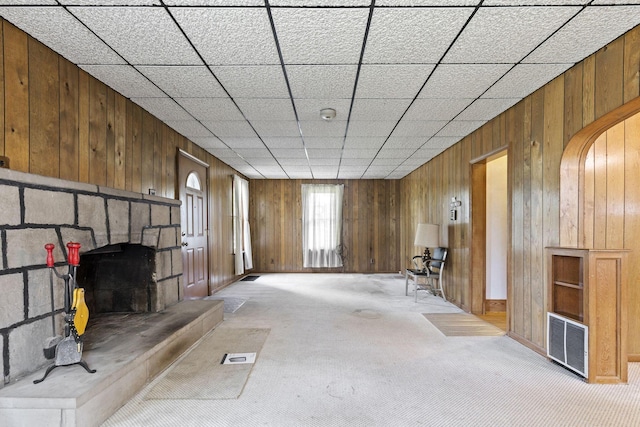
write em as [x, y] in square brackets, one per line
[600, 200]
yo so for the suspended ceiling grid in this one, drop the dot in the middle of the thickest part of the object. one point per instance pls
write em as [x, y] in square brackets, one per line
[246, 79]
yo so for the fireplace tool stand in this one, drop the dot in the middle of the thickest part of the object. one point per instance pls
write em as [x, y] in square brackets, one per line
[68, 351]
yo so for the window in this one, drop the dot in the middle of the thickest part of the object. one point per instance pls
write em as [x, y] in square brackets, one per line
[322, 225]
[241, 232]
[193, 181]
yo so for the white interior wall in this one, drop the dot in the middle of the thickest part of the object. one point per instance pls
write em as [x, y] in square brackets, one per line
[496, 254]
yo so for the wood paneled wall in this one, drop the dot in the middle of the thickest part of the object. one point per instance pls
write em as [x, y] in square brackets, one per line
[58, 121]
[535, 130]
[371, 221]
[612, 207]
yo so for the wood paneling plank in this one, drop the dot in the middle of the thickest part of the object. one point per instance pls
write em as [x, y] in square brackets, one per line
[16, 102]
[44, 110]
[97, 132]
[120, 135]
[69, 126]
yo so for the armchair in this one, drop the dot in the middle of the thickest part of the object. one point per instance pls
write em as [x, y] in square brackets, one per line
[429, 268]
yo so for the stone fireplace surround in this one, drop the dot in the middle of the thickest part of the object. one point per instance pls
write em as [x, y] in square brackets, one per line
[35, 210]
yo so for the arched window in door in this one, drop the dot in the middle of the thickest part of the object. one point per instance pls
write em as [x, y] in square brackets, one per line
[193, 181]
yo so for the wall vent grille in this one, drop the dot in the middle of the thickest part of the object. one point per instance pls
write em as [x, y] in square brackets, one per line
[568, 343]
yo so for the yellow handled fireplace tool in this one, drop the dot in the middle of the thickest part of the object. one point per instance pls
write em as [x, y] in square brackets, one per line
[68, 350]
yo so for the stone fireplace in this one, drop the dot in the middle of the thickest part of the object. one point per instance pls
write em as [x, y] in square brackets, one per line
[130, 257]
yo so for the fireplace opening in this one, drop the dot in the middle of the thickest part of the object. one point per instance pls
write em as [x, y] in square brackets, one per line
[118, 278]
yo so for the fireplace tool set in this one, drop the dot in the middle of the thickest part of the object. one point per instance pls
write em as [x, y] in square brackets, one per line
[67, 350]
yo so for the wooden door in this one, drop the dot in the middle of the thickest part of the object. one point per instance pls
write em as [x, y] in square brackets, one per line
[192, 175]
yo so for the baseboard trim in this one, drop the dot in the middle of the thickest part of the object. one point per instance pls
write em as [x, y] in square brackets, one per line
[495, 305]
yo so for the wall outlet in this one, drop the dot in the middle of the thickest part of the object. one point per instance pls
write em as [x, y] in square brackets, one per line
[373, 261]
[4, 162]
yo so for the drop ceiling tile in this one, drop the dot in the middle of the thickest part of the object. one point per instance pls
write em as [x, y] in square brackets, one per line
[254, 153]
[242, 142]
[524, 79]
[534, 2]
[297, 165]
[422, 128]
[282, 142]
[309, 109]
[436, 109]
[190, 129]
[125, 80]
[413, 35]
[296, 168]
[325, 172]
[322, 81]
[109, 2]
[379, 109]
[320, 36]
[229, 36]
[211, 109]
[229, 128]
[392, 153]
[163, 108]
[209, 143]
[300, 175]
[184, 81]
[225, 154]
[331, 129]
[28, 2]
[359, 153]
[349, 175]
[276, 175]
[324, 162]
[214, 2]
[323, 142]
[158, 40]
[271, 128]
[460, 128]
[404, 143]
[371, 128]
[487, 109]
[324, 153]
[489, 36]
[364, 141]
[349, 163]
[616, 2]
[266, 109]
[593, 28]
[54, 27]
[392, 81]
[462, 80]
[325, 3]
[441, 142]
[287, 153]
[427, 2]
[259, 81]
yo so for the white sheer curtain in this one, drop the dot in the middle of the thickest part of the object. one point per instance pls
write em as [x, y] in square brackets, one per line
[241, 232]
[322, 225]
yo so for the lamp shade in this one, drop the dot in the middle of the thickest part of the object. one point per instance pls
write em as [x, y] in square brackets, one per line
[427, 235]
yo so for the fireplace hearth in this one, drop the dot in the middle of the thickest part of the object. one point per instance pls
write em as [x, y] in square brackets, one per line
[130, 259]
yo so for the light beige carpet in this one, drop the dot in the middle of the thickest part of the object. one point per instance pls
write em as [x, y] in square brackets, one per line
[462, 325]
[200, 374]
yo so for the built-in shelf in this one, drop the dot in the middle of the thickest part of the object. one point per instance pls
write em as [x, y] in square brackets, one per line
[588, 287]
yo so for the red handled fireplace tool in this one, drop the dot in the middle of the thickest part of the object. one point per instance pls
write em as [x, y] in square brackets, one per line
[68, 350]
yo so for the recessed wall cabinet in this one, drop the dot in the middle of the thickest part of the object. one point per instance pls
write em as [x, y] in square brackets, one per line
[587, 312]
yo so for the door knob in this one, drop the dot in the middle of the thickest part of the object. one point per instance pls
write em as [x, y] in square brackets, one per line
[185, 244]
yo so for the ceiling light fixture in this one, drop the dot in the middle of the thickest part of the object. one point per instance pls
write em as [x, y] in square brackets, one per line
[328, 114]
